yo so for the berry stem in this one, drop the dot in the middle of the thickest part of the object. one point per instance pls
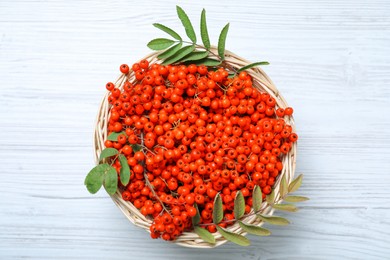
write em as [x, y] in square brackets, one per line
[201, 47]
[147, 182]
[147, 149]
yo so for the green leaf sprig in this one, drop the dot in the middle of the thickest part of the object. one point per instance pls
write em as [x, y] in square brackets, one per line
[104, 174]
[239, 213]
[192, 52]
[177, 50]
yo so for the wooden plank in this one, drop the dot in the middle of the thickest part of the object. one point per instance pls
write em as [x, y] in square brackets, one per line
[330, 59]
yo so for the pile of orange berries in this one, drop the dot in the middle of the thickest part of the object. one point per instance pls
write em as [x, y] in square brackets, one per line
[190, 133]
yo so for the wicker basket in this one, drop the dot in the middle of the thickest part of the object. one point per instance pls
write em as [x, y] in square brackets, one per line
[191, 239]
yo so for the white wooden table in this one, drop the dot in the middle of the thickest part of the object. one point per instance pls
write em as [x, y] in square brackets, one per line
[330, 59]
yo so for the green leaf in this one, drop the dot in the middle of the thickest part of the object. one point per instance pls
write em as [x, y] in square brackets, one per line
[96, 176]
[239, 205]
[171, 51]
[274, 220]
[108, 152]
[204, 234]
[186, 23]
[111, 181]
[222, 42]
[160, 44]
[283, 186]
[94, 179]
[196, 218]
[218, 209]
[125, 170]
[212, 69]
[168, 31]
[257, 198]
[285, 207]
[114, 136]
[179, 55]
[295, 198]
[255, 230]
[231, 75]
[196, 55]
[270, 198]
[253, 65]
[233, 237]
[136, 147]
[208, 62]
[295, 184]
[203, 30]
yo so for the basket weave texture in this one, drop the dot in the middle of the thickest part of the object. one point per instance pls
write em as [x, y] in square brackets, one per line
[190, 239]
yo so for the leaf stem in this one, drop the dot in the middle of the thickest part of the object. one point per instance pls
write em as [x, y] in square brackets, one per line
[202, 47]
[230, 220]
[244, 216]
[113, 160]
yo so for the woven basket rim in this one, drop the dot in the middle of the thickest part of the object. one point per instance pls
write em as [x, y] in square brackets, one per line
[190, 239]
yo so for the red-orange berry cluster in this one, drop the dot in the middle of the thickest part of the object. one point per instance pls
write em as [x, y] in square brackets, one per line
[200, 133]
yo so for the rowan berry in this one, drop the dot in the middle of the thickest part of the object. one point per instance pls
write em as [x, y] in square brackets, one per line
[136, 67]
[117, 127]
[293, 137]
[124, 68]
[126, 195]
[139, 156]
[110, 86]
[144, 64]
[191, 211]
[199, 199]
[138, 168]
[212, 228]
[139, 75]
[288, 111]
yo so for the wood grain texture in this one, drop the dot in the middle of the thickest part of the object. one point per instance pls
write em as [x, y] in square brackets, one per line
[330, 59]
